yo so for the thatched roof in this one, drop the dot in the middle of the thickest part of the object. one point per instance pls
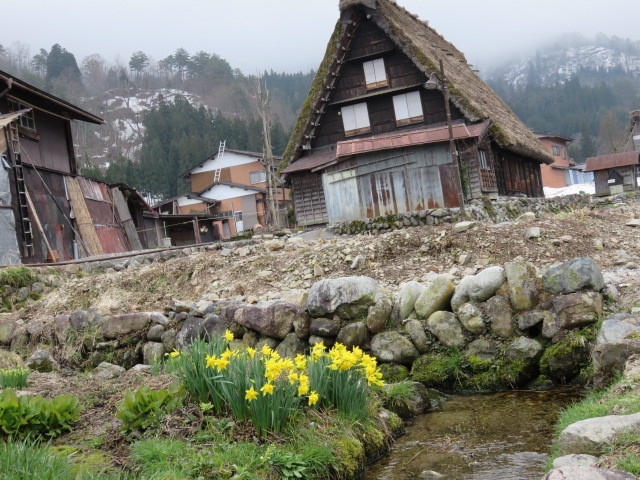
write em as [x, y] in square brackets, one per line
[425, 47]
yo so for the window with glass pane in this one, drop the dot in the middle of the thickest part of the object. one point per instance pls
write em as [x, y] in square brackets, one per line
[483, 159]
[257, 177]
[408, 108]
[25, 120]
[356, 119]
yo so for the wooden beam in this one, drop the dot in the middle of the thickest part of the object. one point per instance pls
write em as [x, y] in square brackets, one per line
[125, 218]
[90, 238]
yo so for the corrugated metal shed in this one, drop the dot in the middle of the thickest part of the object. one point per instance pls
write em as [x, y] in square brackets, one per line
[612, 161]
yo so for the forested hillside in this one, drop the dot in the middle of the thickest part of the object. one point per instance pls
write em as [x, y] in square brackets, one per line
[161, 116]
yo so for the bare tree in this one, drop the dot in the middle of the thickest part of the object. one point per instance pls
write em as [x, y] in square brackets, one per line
[263, 103]
[609, 133]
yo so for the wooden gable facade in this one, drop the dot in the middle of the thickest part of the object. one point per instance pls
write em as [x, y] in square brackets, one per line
[372, 139]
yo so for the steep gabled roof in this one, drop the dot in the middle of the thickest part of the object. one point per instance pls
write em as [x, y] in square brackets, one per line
[257, 155]
[425, 47]
[232, 185]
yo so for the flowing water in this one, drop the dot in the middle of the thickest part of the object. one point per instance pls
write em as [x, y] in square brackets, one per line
[502, 436]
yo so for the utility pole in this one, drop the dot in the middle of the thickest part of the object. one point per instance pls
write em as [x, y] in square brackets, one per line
[452, 144]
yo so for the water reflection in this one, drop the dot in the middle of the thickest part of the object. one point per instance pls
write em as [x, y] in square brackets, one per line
[478, 437]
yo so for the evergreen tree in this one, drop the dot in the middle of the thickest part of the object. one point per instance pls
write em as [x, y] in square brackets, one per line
[62, 65]
[587, 144]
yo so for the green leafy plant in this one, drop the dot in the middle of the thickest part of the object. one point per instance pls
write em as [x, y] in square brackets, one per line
[145, 408]
[36, 416]
[17, 277]
[288, 464]
[14, 377]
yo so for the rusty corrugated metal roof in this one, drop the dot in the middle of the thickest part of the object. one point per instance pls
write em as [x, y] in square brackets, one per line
[310, 162]
[407, 139]
[612, 161]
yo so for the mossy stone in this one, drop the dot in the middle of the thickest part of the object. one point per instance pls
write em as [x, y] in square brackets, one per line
[349, 458]
[394, 372]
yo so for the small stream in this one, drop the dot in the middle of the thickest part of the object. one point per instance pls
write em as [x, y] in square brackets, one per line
[502, 436]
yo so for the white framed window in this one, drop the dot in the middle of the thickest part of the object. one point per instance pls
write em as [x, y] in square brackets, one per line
[564, 153]
[375, 74]
[556, 150]
[259, 176]
[483, 160]
[356, 119]
[25, 120]
[408, 108]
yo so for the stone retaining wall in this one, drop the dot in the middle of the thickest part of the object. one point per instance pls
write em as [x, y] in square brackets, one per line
[499, 328]
[501, 210]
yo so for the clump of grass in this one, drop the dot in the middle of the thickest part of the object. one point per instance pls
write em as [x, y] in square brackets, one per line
[17, 277]
[14, 377]
[397, 396]
[20, 460]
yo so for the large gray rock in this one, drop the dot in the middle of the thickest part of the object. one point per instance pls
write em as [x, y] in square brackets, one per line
[155, 333]
[522, 285]
[572, 276]
[61, 328]
[291, 346]
[589, 436]
[348, 297]
[577, 309]
[192, 329]
[576, 460]
[119, 325]
[446, 327]
[587, 473]
[479, 287]
[7, 327]
[274, 320]
[302, 325]
[533, 318]
[498, 310]
[618, 327]
[42, 361]
[379, 315]
[609, 360]
[406, 300]
[325, 327]
[108, 371]
[524, 348]
[353, 334]
[471, 317]
[393, 347]
[152, 352]
[435, 297]
[483, 348]
[419, 338]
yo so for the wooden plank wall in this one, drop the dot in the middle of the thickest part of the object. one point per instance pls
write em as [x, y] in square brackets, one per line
[308, 198]
[86, 228]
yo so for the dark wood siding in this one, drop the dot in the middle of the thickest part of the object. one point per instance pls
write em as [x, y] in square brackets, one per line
[516, 175]
[401, 72]
[308, 198]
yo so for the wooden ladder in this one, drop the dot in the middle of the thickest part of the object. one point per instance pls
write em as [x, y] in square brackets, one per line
[26, 229]
[218, 171]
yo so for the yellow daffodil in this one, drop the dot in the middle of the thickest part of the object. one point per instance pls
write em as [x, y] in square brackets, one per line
[303, 389]
[293, 378]
[222, 364]
[251, 352]
[313, 398]
[251, 394]
[227, 354]
[301, 362]
[267, 389]
[318, 350]
[228, 336]
[173, 354]
[211, 361]
[266, 350]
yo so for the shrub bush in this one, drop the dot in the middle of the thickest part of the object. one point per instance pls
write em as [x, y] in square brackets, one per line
[13, 377]
[145, 408]
[35, 416]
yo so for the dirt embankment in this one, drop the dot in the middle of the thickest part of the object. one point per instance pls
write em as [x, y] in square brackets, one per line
[265, 271]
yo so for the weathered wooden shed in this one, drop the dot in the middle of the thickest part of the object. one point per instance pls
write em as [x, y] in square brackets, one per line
[372, 136]
[615, 173]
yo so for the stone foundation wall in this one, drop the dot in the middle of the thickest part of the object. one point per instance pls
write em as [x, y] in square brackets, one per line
[500, 328]
[501, 210]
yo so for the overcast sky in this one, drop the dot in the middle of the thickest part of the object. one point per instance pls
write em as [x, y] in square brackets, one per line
[291, 35]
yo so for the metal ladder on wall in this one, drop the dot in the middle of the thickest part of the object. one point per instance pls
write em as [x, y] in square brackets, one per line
[21, 190]
[218, 171]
